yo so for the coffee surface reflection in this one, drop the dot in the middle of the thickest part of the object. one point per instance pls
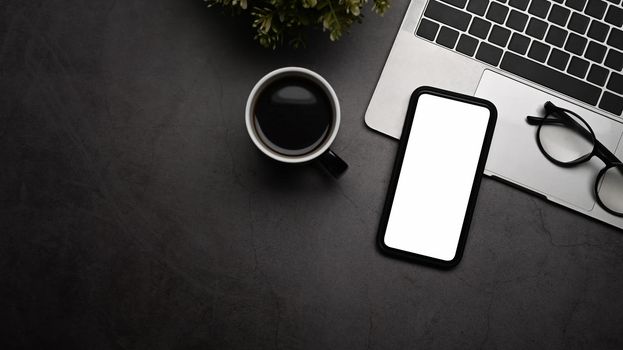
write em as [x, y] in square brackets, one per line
[293, 116]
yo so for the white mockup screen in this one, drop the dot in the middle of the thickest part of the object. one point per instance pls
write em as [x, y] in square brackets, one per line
[436, 178]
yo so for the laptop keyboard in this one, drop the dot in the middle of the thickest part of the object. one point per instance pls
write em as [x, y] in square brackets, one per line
[574, 47]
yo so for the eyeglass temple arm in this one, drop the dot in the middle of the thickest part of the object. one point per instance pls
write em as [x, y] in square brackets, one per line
[602, 152]
[560, 121]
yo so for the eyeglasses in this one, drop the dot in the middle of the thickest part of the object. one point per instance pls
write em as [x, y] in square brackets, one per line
[567, 140]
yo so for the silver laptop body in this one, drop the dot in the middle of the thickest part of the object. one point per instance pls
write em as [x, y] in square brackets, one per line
[429, 50]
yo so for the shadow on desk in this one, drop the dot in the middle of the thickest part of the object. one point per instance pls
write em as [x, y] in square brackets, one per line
[292, 178]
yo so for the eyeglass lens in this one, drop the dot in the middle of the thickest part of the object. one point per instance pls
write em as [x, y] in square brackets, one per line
[610, 188]
[565, 138]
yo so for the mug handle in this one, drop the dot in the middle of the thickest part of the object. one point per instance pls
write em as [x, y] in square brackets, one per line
[333, 163]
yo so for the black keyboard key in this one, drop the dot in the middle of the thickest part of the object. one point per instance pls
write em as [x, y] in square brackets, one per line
[489, 54]
[595, 8]
[517, 20]
[559, 15]
[611, 103]
[536, 28]
[538, 51]
[578, 23]
[467, 45]
[447, 37]
[598, 31]
[597, 75]
[478, 6]
[427, 29]
[558, 59]
[616, 83]
[519, 4]
[616, 38]
[457, 3]
[447, 15]
[614, 16]
[499, 35]
[575, 44]
[595, 52]
[550, 78]
[497, 12]
[556, 36]
[539, 8]
[480, 28]
[614, 60]
[576, 4]
[519, 43]
[578, 67]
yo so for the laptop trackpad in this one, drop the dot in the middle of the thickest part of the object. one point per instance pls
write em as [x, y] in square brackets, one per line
[514, 153]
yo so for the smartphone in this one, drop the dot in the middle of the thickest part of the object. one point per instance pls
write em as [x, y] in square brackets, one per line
[436, 176]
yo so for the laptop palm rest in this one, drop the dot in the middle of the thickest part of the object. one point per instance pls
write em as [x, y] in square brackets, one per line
[515, 156]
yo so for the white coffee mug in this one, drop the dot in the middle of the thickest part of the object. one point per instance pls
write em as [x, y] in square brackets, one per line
[328, 158]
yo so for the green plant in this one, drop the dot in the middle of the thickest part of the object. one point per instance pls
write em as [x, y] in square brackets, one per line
[278, 21]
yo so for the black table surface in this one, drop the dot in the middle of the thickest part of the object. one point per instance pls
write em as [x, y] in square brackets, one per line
[135, 213]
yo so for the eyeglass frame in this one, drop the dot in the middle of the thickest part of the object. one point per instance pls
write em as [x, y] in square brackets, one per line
[599, 150]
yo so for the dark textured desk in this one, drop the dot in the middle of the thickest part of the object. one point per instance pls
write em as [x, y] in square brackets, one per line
[136, 214]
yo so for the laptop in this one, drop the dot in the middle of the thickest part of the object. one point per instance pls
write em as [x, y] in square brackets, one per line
[517, 54]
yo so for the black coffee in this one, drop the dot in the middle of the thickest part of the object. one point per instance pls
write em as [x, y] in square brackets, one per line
[293, 115]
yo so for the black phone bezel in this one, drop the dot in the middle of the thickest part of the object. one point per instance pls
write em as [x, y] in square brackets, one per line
[406, 130]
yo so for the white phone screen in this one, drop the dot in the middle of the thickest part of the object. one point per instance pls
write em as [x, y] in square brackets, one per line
[437, 175]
